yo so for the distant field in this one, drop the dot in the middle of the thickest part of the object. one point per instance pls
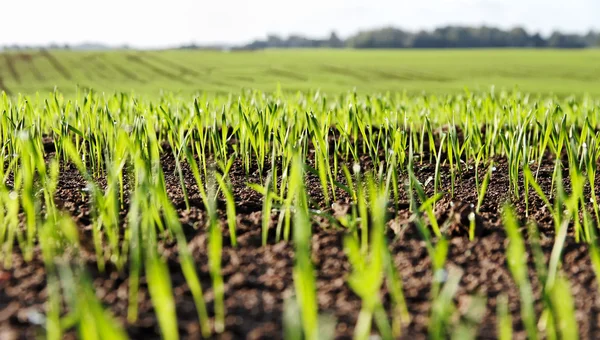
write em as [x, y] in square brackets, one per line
[561, 72]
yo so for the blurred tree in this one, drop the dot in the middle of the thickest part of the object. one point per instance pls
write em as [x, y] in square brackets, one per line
[335, 41]
[442, 37]
[560, 40]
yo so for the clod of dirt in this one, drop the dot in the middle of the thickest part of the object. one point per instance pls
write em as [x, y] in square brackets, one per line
[7, 332]
[340, 209]
[7, 312]
[458, 215]
[401, 223]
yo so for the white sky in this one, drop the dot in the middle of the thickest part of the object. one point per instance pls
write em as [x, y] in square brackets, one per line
[150, 23]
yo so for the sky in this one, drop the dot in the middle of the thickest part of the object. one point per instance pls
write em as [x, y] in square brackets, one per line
[150, 23]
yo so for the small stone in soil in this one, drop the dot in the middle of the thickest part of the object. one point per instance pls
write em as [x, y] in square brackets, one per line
[4, 276]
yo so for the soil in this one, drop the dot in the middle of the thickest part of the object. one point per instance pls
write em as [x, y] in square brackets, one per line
[259, 278]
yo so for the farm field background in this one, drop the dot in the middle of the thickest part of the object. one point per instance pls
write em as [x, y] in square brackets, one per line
[546, 72]
[187, 196]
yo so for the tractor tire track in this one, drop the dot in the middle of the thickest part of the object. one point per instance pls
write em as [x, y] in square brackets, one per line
[92, 67]
[182, 68]
[3, 87]
[57, 65]
[10, 63]
[337, 70]
[286, 74]
[171, 76]
[125, 72]
[36, 72]
[101, 68]
[104, 66]
[185, 70]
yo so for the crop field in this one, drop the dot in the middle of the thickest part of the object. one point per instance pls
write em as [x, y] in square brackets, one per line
[299, 213]
[559, 72]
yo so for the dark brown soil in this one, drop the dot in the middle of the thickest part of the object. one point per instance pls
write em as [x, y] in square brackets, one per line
[259, 278]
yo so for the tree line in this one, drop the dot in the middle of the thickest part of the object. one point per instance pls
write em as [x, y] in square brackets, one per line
[442, 37]
[390, 37]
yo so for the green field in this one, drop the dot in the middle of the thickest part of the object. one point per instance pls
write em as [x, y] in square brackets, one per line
[560, 72]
